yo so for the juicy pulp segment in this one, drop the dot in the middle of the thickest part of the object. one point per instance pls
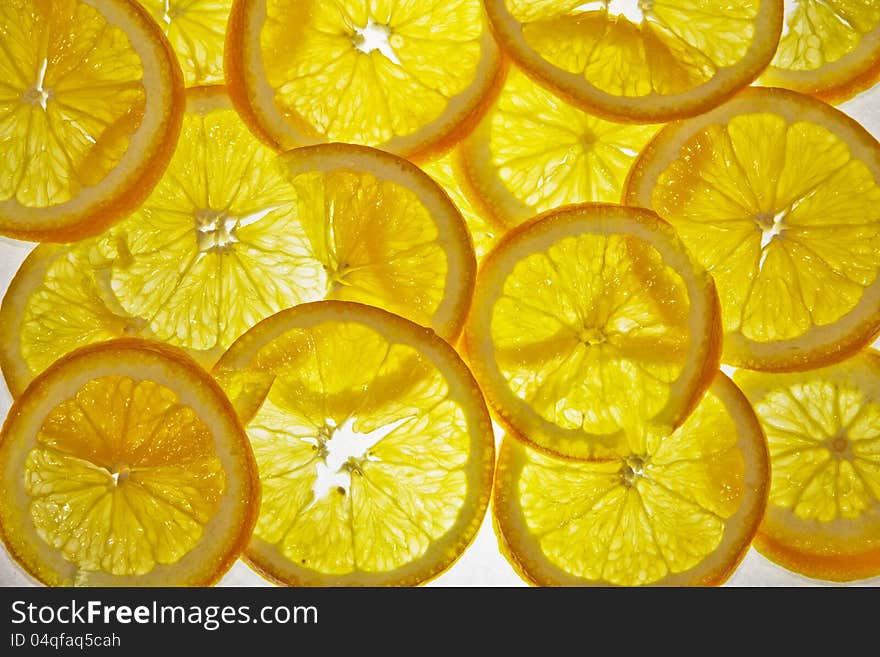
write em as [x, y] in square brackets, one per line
[123, 477]
[71, 97]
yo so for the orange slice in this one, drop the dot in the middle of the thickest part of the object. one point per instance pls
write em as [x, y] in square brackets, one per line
[776, 194]
[406, 77]
[90, 108]
[124, 465]
[678, 509]
[587, 322]
[373, 442]
[640, 61]
[823, 428]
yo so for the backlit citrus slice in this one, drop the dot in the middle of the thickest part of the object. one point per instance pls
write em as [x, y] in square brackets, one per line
[589, 321]
[235, 232]
[407, 77]
[447, 171]
[677, 509]
[196, 30]
[829, 48]
[533, 152]
[776, 194]
[823, 428]
[90, 105]
[373, 442]
[124, 465]
[641, 61]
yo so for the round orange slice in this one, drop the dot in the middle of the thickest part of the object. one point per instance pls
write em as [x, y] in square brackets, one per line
[91, 101]
[124, 465]
[406, 77]
[677, 509]
[374, 446]
[823, 429]
[642, 62]
[588, 321]
[776, 194]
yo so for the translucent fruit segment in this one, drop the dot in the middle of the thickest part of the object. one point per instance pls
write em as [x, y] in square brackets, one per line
[123, 477]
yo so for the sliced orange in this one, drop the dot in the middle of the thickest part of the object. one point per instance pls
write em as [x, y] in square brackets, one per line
[830, 49]
[587, 322]
[677, 509]
[125, 465]
[640, 61]
[196, 30]
[374, 446]
[533, 152]
[91, 101]
[823, 428]
[406, 77]
[776, 194]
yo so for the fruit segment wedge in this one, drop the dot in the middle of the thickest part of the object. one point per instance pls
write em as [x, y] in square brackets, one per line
[823, 429]
[643, 62]
[590, 321]
[830, 50]
[124, 465]
[776, 194]
[373, 442]
[91, 100]
[407, 77]
[678, 509]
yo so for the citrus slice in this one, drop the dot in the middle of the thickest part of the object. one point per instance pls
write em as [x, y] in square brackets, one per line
[90, 107]
[56, 303]
[124, 465]
[640, 61]
[235, 232]
[196, 30]
[587, 322]
[823, 428]
[373, 442]
[829, 48]
[677, 509]
[776, 194]
[407, 77]
[447, 172]
[533, 152]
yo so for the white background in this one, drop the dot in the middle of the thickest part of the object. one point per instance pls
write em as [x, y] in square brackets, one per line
[482, 564]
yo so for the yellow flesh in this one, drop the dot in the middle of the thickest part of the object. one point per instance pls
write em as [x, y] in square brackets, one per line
[634, 520]
[346, 88]
[782, 215]
[230, 236]
[123, 477]
[544, 153]
[399, 481]
[823, 430]
[196, 30]
[821, 32]
[592, 332]
[71, 96]
[446, 174]
[635, 49]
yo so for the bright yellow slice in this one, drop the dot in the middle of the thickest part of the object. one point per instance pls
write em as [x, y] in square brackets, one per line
[124, 465]
[373, 442]
[90, 107]
[407, 77]
[677, 509]
[447, 171]
[777, 195]
[645, 61]
[823, 428]
[533, 152]
[196, 30]
[587, 323]
[829, 48]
